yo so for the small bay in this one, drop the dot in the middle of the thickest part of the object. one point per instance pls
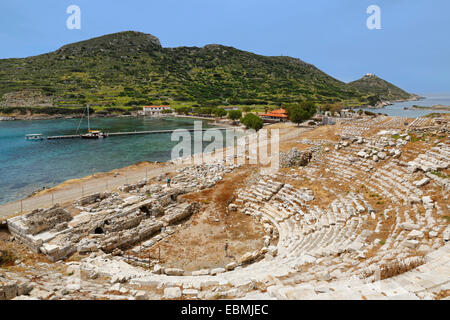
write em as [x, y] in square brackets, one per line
[26, 166]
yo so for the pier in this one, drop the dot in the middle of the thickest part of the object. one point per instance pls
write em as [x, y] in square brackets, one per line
[112, 134]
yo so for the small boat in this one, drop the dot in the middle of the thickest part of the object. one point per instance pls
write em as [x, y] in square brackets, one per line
[94, 134]
[34, 137]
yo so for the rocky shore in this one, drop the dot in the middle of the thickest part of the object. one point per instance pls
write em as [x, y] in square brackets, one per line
[435, 107]
[383, 104]
[59, 116]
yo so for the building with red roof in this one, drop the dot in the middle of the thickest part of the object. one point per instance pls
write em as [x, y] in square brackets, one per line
[278, 115]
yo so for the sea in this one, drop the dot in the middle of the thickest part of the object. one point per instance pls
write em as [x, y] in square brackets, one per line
[26, 166]
[398, 108]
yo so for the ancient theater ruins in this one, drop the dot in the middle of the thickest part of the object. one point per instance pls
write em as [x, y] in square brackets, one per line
[357, 210]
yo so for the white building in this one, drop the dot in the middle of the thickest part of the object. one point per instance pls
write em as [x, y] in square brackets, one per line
[154, 110]
[230, 108]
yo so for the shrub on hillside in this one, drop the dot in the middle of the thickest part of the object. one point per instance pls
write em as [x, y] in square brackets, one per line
[234, 114]
[252, 121]
[219, 112]
[300, 112]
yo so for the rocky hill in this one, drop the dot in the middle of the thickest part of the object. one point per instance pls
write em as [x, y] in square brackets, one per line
[132, 68]
[372, 85]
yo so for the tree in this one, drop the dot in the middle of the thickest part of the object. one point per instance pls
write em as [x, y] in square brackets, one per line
[298, 115]
[183, 110]
[332, 107]
[309, 106]
[247, 109]
[234, 114]
[220, 112]
[204, 111]
[299, 112]
[252, 121]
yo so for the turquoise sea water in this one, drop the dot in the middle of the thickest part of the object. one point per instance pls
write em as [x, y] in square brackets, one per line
[26, 166]
[397, 109]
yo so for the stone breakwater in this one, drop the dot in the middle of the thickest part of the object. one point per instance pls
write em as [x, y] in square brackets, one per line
[365, 217]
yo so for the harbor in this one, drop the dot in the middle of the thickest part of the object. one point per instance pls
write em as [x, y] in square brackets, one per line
[131, 140]
[113, 134]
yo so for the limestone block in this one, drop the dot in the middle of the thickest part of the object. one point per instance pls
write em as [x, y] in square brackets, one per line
[174, 272]
[73, 287]
[40, 294]
[273, 250]
[203, 272]
[245, 258]
[157, 269]
[190, 292]
[10, 290]
[414, 199]
[424, 249]
[361, 154]
[172, 293]
[422, 182]
[409, 226]
[411, 243]
[231, 266]
[24, 298]
[446, 234]
[216, 271]
[415, 234]
[208, 283]
[355, 246]
[382, 155]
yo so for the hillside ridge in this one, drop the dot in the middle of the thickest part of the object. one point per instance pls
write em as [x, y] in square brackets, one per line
[132, 68]
[372, 84]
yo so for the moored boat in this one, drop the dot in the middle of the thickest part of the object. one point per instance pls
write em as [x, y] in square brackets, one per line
[94, 134]
[34, 137]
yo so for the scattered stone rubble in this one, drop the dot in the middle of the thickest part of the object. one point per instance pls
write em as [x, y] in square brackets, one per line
[295, 158]
[108, 222]
[384, 211]
[10, 289]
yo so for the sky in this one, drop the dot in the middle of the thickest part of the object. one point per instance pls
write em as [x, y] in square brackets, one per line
[411, 50]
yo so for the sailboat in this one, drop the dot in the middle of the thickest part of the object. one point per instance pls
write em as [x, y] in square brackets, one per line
[92, 134]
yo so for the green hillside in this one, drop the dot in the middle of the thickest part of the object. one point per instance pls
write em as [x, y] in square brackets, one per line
[132, 68]
[370, 84]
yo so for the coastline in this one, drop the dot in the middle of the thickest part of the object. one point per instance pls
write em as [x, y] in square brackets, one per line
[384, 104]
[20, 186]
[222, 121]
[72, 189]
[60, 117]
[118, 171]
[432, 108]
[406, 108]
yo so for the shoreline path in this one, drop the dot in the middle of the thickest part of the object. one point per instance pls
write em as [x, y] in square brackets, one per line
[72, 190]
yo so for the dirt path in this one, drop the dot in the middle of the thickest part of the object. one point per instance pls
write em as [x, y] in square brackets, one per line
[74, 189]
